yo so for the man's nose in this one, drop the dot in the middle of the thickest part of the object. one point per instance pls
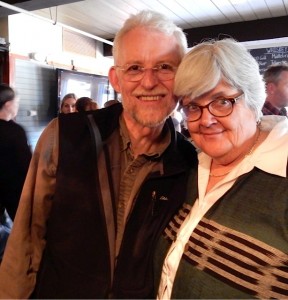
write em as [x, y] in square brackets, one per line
[150, 78]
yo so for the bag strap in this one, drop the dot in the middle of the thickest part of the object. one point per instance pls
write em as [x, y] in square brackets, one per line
[105, 192]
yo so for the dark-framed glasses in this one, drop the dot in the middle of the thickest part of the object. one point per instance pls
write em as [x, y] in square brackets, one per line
[136, 72]
[220, 107]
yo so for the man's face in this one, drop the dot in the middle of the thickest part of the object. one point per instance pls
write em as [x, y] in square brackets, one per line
[280, 91]
[149, 100]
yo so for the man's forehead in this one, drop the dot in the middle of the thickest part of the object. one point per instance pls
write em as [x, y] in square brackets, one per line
[145, 48]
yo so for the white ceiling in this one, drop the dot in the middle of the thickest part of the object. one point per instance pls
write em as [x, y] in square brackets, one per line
[103, 18]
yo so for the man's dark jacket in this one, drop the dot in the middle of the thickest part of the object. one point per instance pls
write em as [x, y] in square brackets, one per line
[76, 260]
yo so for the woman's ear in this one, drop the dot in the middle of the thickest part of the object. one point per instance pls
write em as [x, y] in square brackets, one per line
[113, 79]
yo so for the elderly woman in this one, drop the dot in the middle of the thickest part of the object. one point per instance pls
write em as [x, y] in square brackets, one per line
[230, 239]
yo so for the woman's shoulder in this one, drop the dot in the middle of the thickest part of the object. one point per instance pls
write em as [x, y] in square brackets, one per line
[11, 128]
[17, 126]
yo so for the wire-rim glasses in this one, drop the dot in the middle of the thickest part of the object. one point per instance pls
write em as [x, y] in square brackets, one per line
[134, 72]
[220, 107]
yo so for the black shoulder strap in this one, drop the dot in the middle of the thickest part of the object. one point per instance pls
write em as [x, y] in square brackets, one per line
[105, 193]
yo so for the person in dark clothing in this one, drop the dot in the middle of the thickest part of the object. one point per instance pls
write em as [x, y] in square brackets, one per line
[103, 184]
[15, 155]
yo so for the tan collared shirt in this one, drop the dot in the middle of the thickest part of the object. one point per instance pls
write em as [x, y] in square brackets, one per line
[132, 174]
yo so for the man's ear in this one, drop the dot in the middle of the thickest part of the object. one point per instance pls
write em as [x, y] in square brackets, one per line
[113, 79]
[270, 88]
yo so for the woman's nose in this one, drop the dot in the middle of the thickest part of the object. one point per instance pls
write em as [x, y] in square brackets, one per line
[207, 119]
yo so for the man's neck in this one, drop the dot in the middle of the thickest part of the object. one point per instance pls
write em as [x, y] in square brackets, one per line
[273, 102]
[143, 139]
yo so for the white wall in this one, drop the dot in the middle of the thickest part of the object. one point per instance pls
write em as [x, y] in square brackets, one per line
[28, 34]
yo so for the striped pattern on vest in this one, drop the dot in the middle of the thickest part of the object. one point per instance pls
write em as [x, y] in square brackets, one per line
[234, 258]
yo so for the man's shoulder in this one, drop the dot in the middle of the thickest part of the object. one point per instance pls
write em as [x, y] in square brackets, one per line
[187, 149]
[183, 141]
[100, 115]
[106, 119]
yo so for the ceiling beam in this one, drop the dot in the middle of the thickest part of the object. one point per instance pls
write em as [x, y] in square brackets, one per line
[32, 5]
[242, 31]
[17, 9]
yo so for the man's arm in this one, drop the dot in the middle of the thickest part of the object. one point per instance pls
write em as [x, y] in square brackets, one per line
[26, 243]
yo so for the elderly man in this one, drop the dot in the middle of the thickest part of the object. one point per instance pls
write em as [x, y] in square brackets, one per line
[102, 185]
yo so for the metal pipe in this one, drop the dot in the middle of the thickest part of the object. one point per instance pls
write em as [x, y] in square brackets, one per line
[21, 10]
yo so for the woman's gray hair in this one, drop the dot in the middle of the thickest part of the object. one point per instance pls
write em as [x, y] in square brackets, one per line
[211, 61]
[153, 21]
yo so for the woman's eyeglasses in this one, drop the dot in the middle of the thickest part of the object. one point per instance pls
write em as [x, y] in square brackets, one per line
[221, 107]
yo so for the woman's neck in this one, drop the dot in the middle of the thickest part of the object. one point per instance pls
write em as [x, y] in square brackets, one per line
[5, 116]
[234, 157]
[220, 168]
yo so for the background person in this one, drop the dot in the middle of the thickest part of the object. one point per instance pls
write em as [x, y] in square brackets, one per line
[68, 103]
[85, 104]
[15, 155]
[276, 79]
[87, 227]
[111, 102]
[94, 105]
[230, 238]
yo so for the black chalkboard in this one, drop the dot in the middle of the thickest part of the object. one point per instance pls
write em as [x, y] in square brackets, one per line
[269, 56]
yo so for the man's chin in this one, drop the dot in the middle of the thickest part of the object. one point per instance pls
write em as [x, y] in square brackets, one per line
[153, 124]
[150, 121]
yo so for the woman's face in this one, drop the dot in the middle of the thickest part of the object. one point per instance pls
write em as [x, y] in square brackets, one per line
[223, 137]
[68, 106]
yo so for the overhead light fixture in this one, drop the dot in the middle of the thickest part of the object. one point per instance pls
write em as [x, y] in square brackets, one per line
[38, 56]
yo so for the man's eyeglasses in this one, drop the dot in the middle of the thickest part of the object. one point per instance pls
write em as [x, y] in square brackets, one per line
[136, 72]
[221, 107]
